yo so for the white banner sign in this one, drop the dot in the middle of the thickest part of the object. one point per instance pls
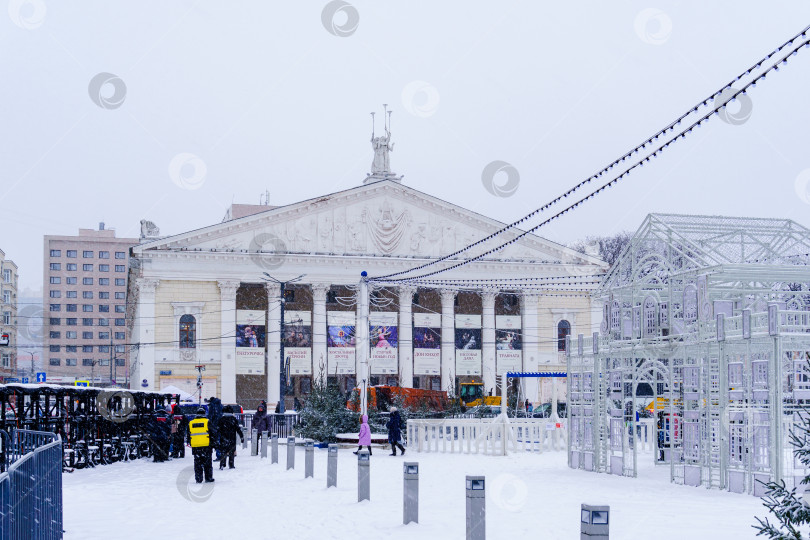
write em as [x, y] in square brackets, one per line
[250, 342]
[384, 342]
[468, 345]
[508, 343]
[340, 343]
[427, 343]
[298, 341]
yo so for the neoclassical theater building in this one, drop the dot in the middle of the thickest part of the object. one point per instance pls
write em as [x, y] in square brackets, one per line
[201, 298]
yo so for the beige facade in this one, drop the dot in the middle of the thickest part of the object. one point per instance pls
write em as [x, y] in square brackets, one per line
[8, 317]
[84, 305]
[212, 277]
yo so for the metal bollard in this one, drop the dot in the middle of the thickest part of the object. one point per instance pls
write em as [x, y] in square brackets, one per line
[290, 453]
[274, 448]
[264, 444]
[476, 508]
[245, 439]
[331, 466]
[410, 511]
[594, 522]
[254, 443]
[309, 459]
[363, 476]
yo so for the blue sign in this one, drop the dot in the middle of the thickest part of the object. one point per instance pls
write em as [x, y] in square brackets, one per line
[165, 372]
[40, 376]
[25, 380]
[145, 383]
[12, 379]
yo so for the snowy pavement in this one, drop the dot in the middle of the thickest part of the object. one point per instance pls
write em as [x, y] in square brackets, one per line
[528, 496]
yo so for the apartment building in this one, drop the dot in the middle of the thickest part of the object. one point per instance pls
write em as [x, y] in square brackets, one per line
[8, 317]
[84, 289]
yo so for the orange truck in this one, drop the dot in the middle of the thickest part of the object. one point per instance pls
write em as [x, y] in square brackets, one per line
[384, 397]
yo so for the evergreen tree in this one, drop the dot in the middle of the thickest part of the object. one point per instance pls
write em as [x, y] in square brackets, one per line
[325, 413]
[785, 504]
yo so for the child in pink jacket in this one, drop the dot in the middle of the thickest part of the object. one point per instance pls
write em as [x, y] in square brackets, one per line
[364, 435]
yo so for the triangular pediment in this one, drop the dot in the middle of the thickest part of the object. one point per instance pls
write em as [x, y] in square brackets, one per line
[381, 219]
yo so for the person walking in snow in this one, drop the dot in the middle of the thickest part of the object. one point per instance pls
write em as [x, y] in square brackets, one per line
[229, 428]
[179, 427]
[200, 440]
[261, 421]
[160, 433]
[364, 437]
[394, 426]
[214, 414]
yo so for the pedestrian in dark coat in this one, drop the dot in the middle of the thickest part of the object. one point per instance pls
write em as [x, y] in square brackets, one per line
[199, 437]
[160, 434]
[214, 414]
[394, 426]
[229, 428]
[261, 421]
[179, 428]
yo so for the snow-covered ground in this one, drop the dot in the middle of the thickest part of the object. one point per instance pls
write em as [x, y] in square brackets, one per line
[528, 496]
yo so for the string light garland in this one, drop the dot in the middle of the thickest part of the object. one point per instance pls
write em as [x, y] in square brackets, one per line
[648, 142]
[611, 183]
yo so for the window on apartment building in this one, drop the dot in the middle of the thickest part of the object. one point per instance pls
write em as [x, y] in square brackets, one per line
[54, 362]
[120, 296]
[56, 253]
[71, 267]
[87, 254]
[56, 307]
[55, 266]
[55, 280]
[6, 317]
[103, 295]
[71, 280]
[7, 276]
[87, 281]
[87, 348]
[70, 348]
[103, 254]
[70, 307]
[6, 360]
[120, 308]
[104, 281]
[70, 321]
[55, 334]
[188, 332]
[87, 308]
[104, 308]
[71, 334]
[54, 348]
[6, 297]
[104, 348]
[55, 321]
[120, 254]
[120, 322]
[87, 294]
[104, 268]
[103, 335]
[70, 361]
[87, 321]
[120, 335]
[563, 330]
[87, 335]
[55, 294]
[87, 361]
[71, 294]
[120, 362]
[120, 348]
[120, 282]
[87, 267]
[71, 253]
[120, 268]
[104, 322]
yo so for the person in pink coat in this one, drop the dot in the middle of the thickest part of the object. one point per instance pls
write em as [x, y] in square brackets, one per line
[364, 437]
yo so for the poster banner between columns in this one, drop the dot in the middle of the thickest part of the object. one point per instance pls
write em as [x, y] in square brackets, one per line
[298, 341]
[250, 341]
[468, 345]
[508, 343]
[340, 343]
[384, 342]
[427, 343]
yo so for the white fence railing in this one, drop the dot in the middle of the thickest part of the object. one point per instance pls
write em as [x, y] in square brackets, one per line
[491, 436]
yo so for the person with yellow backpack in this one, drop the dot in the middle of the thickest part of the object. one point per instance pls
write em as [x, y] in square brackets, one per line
[200, 440]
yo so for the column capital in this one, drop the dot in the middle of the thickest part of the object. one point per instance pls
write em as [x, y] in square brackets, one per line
[272, 289]
[529, 295]
[448, 295]
[406, 293]
[488, 298]
[227, 289]
[147, 285]
[319, 291]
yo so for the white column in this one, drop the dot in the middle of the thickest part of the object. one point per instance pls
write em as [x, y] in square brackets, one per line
[273, 344]
[448, 341]
[227, 306]
[319, 291]
[146, 335]
[406, 336]
[531, 342]
[362, 345]
[488, 339]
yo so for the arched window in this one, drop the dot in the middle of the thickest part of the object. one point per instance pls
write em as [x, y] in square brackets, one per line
[563, 330]
[188, 332]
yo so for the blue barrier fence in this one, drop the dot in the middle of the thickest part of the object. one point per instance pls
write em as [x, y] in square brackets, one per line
[31, 487]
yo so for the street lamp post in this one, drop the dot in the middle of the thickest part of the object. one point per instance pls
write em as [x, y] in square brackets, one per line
[282, 363]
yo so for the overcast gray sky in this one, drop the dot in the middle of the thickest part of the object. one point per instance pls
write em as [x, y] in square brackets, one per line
[260, 95]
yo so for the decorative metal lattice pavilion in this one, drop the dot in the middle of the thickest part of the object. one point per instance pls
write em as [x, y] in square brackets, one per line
[710, 316]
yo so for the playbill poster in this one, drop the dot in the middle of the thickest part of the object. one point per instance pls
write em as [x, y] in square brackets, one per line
[250, 336]
[298, 341]
[340, 343]
[508, 343]
[427, 343]
[384, 342]
[468, 345]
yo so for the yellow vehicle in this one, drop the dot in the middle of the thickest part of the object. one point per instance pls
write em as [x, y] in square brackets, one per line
[662, 404]
[472, 395]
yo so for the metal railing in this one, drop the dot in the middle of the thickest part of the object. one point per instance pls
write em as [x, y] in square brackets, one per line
[282, 425]
[31, 489]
